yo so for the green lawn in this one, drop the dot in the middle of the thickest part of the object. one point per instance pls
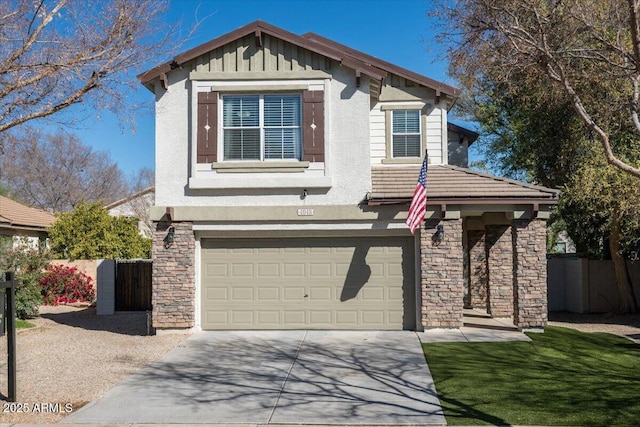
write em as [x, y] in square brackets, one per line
[563, 377]
[23, 324]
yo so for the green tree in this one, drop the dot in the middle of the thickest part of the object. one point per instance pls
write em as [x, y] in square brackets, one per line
[27, 261]
[89, 232]
[600, 200]
[534, 126]
[587, 50]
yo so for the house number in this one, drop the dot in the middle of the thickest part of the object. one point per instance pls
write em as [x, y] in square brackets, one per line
[305, 212]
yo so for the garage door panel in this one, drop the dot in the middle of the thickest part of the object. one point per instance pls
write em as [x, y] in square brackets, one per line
[317, 270]
[242, 318]
[294, 270]
[321, 317]
[242, 294]
[268, 270]
[242, 270]
[216, 270]
[269, 317]
[373, 318]
[371, 293]
[270, 294]
[395, 294]
[321, 294]
[216, 294]
[293, 317]
[217, 318]
[293, 293]
[347, 318]
[322, 283]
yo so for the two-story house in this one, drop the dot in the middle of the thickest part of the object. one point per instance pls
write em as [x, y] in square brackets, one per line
[285, 166]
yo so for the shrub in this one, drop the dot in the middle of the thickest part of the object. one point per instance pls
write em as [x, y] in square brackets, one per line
[65, 285]
[27, 261]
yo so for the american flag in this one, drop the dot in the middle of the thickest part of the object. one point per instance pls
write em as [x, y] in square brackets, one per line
[418, 206]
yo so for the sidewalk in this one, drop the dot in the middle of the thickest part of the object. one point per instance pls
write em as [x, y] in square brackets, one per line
[478, 327]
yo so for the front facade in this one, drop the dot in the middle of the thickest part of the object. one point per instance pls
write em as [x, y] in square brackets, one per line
[284, 169]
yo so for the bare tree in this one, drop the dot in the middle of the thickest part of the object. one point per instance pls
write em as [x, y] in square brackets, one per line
[56, 172]
[58, 53]
[141, 180]
[588, 49]
[141, 198]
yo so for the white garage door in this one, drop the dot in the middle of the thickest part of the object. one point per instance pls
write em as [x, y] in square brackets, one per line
[319, 283]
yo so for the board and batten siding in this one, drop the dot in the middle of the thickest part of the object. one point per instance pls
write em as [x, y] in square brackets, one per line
[245, 55]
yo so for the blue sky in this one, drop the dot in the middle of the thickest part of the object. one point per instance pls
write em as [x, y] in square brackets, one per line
[397, 31]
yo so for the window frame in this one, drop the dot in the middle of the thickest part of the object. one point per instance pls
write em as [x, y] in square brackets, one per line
[387, 109]
[261, 126]
[419, 133]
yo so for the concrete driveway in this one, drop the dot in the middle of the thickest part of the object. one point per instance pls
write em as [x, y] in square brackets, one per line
[307, 377]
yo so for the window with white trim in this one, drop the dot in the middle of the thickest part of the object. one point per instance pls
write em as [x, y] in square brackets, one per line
[406, 134]
[262, 127]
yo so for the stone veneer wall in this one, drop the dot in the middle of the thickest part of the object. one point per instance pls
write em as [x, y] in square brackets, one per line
[478, 279]
[174, 288]
[530, 273]
[499, 255]
[442, 282]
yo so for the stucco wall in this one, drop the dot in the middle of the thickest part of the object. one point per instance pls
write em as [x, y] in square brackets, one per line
[86, 266]
[346, 139]
[458, 151]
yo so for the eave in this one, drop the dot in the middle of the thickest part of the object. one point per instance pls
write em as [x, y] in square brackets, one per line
[360, 62]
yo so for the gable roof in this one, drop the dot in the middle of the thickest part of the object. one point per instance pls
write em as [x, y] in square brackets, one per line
[471, 135]
[17, 215]
[130, 197]
[359, 61]
[452, 184]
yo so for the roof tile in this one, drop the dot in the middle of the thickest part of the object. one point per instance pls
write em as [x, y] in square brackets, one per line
[17, 214]
[450, 183]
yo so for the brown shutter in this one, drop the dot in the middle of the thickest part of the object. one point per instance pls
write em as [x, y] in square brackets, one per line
[313, 126]
[207, 127]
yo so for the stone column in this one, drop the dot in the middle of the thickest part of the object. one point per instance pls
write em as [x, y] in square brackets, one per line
[499, 253]
[530, 273]
[442, 281]
[477, 269]
[174, 288]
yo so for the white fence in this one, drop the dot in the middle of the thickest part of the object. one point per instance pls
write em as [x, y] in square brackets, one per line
[581, 285]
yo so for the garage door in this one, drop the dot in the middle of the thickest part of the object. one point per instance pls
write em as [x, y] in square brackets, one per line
[321, 283]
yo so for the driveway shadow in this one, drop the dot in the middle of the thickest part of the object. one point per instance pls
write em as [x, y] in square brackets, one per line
[126, 323]
[252, 378]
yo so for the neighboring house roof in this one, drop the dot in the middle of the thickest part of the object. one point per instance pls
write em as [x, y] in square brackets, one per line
[452, 184]
[354, 59]
[471, 135]
[130, 198]
[17, 215]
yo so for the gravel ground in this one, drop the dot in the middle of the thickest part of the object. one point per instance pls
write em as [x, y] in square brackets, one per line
[628, 325]
[73, 356]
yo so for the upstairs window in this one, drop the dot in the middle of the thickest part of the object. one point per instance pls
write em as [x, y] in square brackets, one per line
[262, 127]
[405, 134]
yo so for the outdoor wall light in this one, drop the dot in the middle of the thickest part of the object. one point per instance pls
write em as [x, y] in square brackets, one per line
[439, 232]
[168, 239]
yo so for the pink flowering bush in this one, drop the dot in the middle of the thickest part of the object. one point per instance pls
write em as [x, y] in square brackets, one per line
[66, 285]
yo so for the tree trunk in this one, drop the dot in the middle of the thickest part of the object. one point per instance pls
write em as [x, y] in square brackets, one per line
[628, 302]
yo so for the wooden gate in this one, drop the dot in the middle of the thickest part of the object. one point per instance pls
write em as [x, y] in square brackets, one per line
[133, 285]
